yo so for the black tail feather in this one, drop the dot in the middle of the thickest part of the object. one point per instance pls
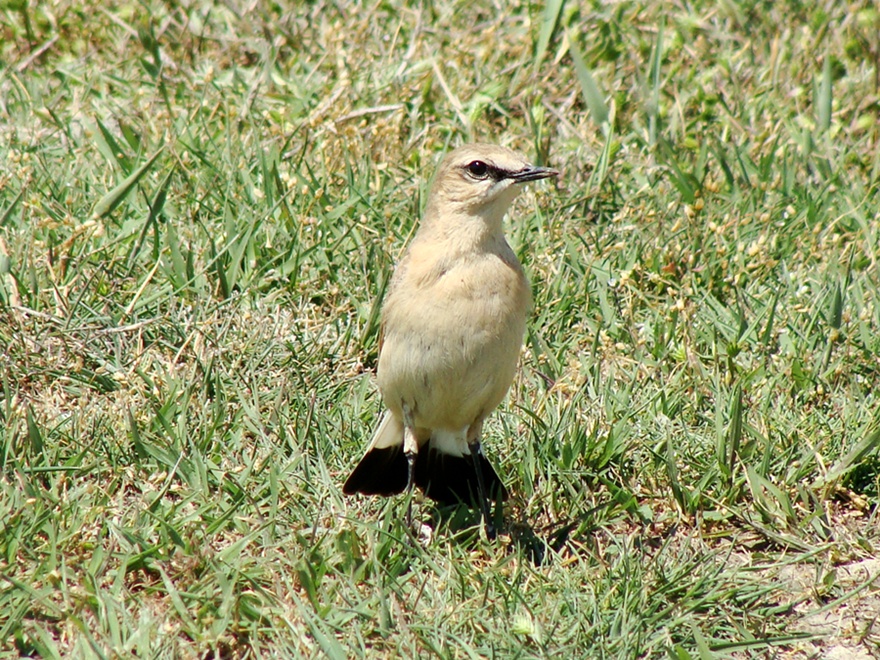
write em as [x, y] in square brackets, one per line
[380, 472]
[451, 479]
[443, 477]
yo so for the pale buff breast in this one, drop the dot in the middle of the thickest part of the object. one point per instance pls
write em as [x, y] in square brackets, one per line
[452, 341]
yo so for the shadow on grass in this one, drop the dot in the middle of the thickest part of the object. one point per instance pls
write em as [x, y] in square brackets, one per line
[462, 523]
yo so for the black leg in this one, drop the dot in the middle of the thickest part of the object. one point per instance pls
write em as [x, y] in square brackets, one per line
[410, 483]
[476, 451]
[410, 450]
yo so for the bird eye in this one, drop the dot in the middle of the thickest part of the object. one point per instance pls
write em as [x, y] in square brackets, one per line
[478, 169]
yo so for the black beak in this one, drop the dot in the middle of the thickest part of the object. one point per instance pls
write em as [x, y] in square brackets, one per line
[532, 173]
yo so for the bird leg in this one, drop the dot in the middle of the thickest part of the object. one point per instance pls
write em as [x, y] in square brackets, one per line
[474, 435]
[411, 451]
[476, 451]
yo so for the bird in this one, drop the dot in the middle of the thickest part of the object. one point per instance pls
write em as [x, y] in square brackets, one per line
[451, 331]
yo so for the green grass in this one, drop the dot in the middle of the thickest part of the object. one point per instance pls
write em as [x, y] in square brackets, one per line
[200, 209]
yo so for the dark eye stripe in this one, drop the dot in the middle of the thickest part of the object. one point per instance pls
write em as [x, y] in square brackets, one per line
[482, 170]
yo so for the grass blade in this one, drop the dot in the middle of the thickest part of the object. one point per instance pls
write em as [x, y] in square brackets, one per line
[34, 434]
[600, 171]
[735, 428]
[549, 21]
[592, 95]
[824, 97]
[853, 458]
[654, 77]
[112, 148]
[9, 209]
[112, 199]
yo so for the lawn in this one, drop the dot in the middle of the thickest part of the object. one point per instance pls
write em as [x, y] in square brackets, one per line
[200, 208]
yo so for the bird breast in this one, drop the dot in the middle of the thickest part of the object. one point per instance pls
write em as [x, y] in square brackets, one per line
[453, 329]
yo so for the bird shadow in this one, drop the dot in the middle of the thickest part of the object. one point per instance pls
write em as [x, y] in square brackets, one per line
[537, 544]
[462, 524]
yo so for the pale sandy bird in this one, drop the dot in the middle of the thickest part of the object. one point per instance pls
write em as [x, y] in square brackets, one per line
[452, 328]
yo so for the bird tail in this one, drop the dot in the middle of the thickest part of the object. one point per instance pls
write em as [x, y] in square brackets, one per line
[444, 477]
[382, 470]
[450, 479]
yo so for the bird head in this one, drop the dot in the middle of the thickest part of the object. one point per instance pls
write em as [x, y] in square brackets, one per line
[481, 180]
